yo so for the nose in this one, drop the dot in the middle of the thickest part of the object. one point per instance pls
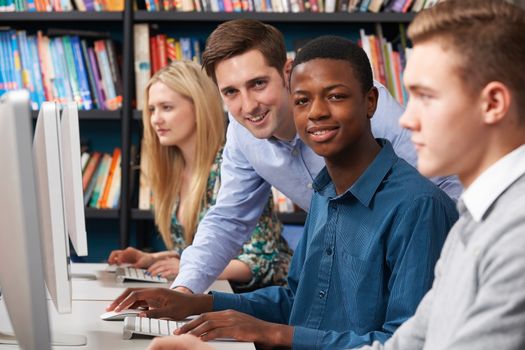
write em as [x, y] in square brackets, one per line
[318, 109]
[155, 118]
[409, 119]
[249, 103]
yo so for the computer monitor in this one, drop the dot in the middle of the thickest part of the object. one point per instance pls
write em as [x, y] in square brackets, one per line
[72, 178]
[48, 166]
[21, 272]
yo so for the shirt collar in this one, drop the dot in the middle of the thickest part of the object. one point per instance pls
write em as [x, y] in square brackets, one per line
[367, 184]
[484, 191]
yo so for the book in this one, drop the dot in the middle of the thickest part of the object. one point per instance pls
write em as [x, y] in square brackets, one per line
[115, 162]
[142, 61]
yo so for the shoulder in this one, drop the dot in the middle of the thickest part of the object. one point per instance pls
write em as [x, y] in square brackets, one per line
[407, 189]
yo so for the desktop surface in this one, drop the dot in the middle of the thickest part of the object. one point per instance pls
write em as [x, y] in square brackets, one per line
[85, 320]
[95, 282]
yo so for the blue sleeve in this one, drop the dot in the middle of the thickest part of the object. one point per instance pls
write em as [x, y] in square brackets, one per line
[413, 248]
[240, 202]
[271, 304]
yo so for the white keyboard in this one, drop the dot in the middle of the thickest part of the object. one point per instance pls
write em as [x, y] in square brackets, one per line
[152, 327]
[133, 274]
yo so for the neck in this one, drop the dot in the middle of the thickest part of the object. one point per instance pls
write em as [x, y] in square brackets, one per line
[287, 130]
[347, 167]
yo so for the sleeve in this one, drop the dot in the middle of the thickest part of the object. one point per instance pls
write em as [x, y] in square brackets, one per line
[267, 253]
[422, 226]
[239, 205]
[271, 304]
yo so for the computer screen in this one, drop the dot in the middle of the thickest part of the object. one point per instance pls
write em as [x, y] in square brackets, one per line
[21, 272]
[72, 178]
[47, 160]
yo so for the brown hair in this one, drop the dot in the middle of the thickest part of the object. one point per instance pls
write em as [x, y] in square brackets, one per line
[236, 37]
[488, 37]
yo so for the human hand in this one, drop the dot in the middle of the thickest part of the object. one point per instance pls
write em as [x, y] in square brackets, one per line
[239, 326]
[162, 302]
[168, 268]
[180, 342]
[132, 256]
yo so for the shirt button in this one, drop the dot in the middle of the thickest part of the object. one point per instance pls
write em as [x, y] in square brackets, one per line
[329, 251]
[309, 185]
[322, 294]
[295, 152]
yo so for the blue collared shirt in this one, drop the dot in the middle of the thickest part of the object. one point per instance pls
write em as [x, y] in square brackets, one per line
[364, 262]
[250, 166]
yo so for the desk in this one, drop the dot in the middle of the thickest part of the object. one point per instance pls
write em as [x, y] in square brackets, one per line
[104, 287]
[90, 297]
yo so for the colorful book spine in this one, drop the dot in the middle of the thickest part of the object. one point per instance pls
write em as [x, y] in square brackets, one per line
[71, 71]
[83, 85]
[96, 96]
[98, 80]
[102, 57]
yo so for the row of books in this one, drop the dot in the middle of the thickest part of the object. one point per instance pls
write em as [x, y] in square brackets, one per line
[156, 51]
[101, 179]
[294, 6]
[60, 5]
[388, 60]
[62, 68]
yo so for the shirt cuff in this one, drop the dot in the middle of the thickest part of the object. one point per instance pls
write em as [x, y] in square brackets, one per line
[225, 301]
[305, 338]
[197, 284]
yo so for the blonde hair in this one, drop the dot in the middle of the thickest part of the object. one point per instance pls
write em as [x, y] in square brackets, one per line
[165, 164]
[488, 37]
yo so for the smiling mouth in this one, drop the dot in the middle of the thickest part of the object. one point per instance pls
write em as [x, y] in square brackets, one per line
[257, 118]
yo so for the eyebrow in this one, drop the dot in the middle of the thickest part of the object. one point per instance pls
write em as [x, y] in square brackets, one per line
[248, 82]
[325, 89]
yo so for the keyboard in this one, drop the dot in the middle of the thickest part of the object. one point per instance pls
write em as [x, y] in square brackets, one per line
[152, 327]
[133, 274]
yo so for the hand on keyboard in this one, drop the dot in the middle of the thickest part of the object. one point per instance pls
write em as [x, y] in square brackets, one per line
[140, 275]
[163, 302]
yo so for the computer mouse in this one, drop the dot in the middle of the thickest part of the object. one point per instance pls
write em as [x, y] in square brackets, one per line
[120, 315]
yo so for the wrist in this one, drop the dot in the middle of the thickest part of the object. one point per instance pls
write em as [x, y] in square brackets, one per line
[281, 335]
[202, 303]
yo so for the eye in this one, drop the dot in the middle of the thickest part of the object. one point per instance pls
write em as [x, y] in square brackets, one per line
[167, 108]
[151, 109]
[337, 97]
[300, 101]
[259, 83]
[229, 92]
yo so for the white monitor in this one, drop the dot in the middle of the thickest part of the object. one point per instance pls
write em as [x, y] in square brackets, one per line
[47, 160]
[72, 179]
[21, 272]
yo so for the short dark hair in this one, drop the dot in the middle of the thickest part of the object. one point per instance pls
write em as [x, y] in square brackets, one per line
[338, 48]
[238, 36]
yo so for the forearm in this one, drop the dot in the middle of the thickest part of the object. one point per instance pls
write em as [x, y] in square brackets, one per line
[164, 255]
[236, 271]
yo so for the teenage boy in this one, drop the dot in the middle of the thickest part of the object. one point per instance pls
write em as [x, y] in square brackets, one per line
[247, 59]
[373, 233]
[467, 115]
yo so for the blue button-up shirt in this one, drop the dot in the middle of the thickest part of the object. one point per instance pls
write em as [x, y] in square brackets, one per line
[250, 166]
[364, 262]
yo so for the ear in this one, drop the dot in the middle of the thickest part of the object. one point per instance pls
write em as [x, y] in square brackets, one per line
[287, 69]
[495, 102]
[371, 102]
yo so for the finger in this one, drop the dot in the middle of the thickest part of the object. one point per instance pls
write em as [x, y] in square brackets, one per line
[189, 326]
[161, 312]
[224, 333]
[119, 299]
[112, 259]
[135, 297]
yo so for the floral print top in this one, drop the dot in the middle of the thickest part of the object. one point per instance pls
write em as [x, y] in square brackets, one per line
[266, 253]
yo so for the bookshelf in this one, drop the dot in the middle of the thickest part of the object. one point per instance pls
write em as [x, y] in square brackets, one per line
[127, 217]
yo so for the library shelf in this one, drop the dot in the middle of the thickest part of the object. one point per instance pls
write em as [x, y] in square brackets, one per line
[93, 213]
[72, 16]
[92, 115]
